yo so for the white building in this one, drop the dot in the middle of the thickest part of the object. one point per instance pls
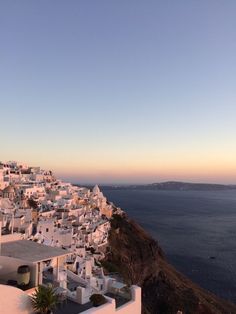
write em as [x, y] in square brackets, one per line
[68, 227]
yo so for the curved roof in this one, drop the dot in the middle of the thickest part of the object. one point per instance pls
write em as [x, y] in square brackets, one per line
[14, 300]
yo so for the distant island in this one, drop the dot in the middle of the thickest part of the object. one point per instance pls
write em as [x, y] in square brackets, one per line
[174, 186]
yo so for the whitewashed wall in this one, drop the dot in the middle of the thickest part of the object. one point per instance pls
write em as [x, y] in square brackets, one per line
[14, 301]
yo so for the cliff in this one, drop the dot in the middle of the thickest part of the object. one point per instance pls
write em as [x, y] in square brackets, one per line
[140, 260]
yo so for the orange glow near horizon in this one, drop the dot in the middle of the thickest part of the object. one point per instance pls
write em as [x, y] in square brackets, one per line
[145, 166]
[205, 172]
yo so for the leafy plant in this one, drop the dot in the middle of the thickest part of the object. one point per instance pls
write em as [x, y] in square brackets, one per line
[97, 299]
[44, 299]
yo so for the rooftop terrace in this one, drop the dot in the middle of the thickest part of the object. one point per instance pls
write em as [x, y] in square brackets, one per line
[31, 251]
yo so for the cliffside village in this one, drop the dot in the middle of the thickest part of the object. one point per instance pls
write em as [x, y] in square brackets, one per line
[60, 231]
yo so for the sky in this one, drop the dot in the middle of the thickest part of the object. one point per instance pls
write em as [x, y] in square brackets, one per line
[124, 91]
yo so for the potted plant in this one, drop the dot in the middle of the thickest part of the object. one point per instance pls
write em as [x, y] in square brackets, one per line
[97, 299]
[44, 300]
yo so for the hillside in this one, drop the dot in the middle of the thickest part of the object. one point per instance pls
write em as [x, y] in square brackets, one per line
[141, 261]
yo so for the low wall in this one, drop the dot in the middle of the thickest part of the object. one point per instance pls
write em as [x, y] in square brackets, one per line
[108, 308]
[11, 237]
[82, 295]
[131, 307]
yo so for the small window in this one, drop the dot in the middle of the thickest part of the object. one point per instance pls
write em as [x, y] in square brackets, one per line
[46, 229]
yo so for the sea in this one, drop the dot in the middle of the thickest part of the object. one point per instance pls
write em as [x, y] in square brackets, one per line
[196, 230]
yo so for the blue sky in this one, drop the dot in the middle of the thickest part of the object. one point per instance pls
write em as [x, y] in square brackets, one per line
[120, 91]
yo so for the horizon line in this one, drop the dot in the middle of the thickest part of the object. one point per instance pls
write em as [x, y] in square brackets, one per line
[150, 183]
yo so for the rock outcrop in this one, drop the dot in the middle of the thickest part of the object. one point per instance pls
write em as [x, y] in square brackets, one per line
[140, 260]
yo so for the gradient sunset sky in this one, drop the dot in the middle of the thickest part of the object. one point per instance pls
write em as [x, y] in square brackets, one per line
[123, 91]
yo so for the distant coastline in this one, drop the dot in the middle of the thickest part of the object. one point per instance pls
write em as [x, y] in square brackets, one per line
[171, 186]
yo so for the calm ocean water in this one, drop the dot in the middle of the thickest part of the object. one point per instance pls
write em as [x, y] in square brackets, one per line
[191, 227]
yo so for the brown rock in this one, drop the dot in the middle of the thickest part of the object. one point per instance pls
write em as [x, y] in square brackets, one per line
[164, 290]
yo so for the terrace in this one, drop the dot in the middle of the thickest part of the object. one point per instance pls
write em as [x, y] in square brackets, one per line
[120, 292]
[70, 307]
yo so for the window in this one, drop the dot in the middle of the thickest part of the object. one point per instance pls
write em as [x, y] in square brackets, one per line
[46, 229]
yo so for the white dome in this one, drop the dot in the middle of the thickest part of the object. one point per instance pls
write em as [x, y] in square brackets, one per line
[14, 300]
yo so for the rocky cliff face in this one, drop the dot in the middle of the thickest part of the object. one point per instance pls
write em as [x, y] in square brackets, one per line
[141, 261]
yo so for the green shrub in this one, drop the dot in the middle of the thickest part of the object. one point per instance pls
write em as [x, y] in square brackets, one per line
[98, 299]
[44, 299]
